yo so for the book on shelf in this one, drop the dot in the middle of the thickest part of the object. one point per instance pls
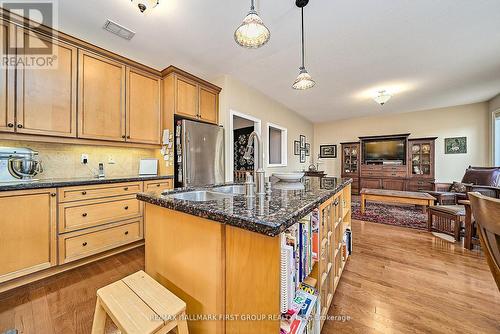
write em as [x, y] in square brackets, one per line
[301, 316]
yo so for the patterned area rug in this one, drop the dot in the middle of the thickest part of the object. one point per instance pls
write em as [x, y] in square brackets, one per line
[396, 215]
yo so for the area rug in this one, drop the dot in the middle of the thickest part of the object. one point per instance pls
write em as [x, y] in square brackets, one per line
[395, 215]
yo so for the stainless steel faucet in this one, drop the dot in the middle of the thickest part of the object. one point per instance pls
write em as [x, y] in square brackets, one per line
[260, 176]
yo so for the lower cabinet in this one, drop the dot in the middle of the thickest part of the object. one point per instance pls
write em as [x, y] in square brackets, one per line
[28, 232]
[393, 184]
[77, 245]
[158, 187]
[371, 183]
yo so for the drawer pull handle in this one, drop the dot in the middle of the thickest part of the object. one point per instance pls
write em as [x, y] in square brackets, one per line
[158, 185]
[126, 208]
[84, 244]
[84, 214]
[126, 188]
[126, 232]
[53, 194]
[84, 193]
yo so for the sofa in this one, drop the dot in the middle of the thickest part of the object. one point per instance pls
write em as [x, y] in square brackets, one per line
[484, 180]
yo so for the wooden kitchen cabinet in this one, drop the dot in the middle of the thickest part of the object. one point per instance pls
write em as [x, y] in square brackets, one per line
[46, 98]
[7, 83]
[158, 186]
[28, 237]
[101, 104]
[208, 105]
[187, 97]
[143, 108]
[190, 97]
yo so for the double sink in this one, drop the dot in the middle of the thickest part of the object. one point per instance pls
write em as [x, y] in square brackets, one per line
[214, 194]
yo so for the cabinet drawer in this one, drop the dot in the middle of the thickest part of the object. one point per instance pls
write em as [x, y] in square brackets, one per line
[395, 173]
[416, 185]
[68, 194]
[158, 186]
[75, 246]
[82, 214]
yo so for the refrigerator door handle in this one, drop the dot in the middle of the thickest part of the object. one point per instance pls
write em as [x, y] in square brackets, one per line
[187, 170]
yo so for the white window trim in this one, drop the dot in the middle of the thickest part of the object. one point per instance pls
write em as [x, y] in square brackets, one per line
[257, 126]
[284, 145]
[494, 115]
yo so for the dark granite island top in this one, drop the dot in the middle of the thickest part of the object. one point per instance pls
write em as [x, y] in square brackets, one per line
[76, 181]
[269, 215]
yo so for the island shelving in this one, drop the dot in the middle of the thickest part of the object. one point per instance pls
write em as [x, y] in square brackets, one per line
[224, 258]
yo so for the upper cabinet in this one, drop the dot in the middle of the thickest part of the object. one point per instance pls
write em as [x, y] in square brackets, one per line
[191, 97]
[7, 82]
[143, 107]
[101, 104]
[46, 98]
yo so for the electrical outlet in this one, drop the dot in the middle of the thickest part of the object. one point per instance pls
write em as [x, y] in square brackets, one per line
[84, 158]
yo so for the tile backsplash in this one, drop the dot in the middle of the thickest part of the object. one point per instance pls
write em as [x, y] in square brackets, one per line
[63, 160]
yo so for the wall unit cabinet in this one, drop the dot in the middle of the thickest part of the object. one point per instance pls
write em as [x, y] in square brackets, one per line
[191, 97]
[27, 240]
[143, 117]
[46, 98]
[351, 162]
[421, 163]
[101, 103]
[7, 83]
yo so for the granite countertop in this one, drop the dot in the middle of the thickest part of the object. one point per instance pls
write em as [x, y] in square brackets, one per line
[269, 215]
[77, 181]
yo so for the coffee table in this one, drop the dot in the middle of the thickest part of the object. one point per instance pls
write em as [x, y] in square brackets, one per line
[396, 197]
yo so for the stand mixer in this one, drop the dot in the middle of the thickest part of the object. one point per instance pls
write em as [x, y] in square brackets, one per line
[19, 164]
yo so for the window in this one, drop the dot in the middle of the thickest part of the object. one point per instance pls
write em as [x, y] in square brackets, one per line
[496, 138]
[277, 145]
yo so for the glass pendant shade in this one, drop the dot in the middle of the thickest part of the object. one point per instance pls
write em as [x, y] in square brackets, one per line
[252, 33]
[145, 5]
[303, 81]
[382, 97]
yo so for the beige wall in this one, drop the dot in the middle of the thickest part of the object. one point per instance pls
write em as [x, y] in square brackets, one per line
[471, 121]
[241, 98]
[494, 103]
[63, 160]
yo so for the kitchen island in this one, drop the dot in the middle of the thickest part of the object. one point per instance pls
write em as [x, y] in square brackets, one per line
[222, 254]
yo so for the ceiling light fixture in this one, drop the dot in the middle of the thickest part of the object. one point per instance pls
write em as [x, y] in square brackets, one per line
[382, 97]
[304, 80]
[252, 33]
[145, 5]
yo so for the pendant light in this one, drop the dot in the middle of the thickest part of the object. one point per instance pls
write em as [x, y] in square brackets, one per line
[252, 33]
[304, 80]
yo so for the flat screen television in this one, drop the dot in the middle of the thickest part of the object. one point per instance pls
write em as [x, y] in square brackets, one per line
[384, 150]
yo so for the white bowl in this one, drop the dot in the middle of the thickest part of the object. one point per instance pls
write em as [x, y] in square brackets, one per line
[289, 177]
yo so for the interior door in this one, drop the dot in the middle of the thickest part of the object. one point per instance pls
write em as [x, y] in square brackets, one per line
[46, 98]
[203, 153]
[143, 108]
[101, 104]
[7, 82]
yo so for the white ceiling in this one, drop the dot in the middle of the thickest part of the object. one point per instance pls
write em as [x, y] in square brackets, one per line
[429, 53]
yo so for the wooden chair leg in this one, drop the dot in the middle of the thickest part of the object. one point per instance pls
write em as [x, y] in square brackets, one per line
[182, 327]
[99, 324]
[457, 226]
[429, 221]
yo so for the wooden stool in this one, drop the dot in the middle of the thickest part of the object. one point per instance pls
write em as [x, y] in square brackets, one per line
[446, 219]
[140, 305]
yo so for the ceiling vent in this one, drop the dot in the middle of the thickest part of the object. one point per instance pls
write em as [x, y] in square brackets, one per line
[118, 30]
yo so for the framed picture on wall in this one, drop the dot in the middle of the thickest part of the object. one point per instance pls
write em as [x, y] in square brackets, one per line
[456, 145]
[296, 147]
[302, 141]
[328, 151]
[308, 149]
[302, 156]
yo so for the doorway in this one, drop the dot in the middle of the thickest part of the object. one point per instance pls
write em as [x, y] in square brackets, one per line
[240, 128]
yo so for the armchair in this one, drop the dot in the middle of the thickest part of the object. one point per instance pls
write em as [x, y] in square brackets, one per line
[484, 180]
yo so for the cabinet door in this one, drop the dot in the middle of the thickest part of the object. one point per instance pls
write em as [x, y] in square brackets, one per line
[143, 108]
[186, 97]
[101, 98]
[46, 98]
[393, 184]
[7, 81]
[208, 105]
[28, 238]
[371, 183]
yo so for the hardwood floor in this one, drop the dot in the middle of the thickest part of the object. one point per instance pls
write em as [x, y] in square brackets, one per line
[407, 281]
[398, 281]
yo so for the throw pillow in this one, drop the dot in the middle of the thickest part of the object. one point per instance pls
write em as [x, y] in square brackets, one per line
[458, 187]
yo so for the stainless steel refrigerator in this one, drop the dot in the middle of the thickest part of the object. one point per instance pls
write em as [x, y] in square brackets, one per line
[199, 151]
